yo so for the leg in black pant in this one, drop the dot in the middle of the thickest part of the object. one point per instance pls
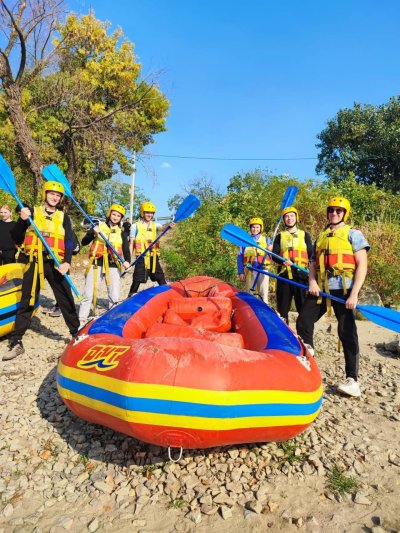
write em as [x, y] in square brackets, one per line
[310, 313]
[158, 275]
[63, 295]
[283, 299]
[347, 331]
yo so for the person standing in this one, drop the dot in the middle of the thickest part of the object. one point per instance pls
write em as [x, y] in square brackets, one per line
[103, 264]
[56, 229]
[338, 266]
[255, 257]
[7, 244]
[295, 246]
[143, 233]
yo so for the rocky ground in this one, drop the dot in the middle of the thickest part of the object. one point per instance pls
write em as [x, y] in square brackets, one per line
[59, 473]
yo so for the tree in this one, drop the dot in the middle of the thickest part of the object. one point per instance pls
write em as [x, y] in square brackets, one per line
[363, 142]
[114, 191]
[90, 110]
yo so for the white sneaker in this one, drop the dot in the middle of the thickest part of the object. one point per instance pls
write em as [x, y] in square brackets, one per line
[351, 387]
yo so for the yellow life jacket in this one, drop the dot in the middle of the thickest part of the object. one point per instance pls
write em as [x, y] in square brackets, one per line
[51, 227]
[99, 249]
[334, 255]
[294, 248]
[146, 234]
[251, 253]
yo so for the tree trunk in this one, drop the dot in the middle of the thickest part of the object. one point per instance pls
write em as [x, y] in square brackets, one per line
[23, 136]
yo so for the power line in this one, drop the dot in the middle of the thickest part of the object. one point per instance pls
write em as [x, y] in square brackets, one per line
[235, 158]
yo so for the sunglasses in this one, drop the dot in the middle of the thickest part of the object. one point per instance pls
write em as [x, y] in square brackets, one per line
[337, 210]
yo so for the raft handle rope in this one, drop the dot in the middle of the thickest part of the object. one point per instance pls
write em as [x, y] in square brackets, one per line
[179, 457]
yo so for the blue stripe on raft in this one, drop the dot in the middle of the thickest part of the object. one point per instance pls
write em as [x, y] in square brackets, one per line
[9, 308]
[280, 337]
[114, 320]
[148, 405]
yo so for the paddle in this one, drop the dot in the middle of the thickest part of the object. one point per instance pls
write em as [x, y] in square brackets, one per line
[53, 173]
[240, 237]
[287, 201]
[7, 183]
[387, 318]
[188, 206]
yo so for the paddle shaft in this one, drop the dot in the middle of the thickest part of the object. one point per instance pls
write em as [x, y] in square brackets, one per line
[93, 224]
[49, 250]
[146, 250]
[291, 282]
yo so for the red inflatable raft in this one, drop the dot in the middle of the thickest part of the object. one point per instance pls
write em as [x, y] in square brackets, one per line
[194, 364]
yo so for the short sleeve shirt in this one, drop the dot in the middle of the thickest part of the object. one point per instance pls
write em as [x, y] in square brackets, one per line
[134, 230]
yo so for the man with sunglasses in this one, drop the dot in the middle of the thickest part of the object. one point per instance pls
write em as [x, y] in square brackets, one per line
[338, 266]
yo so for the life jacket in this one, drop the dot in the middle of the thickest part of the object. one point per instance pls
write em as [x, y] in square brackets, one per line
[98, 248]
[146, 234]
[294, 248]
[51, 226]
[251, 253]
[334, 256]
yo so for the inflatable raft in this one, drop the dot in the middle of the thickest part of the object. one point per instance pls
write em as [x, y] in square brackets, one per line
[10, 295]
[193, 364]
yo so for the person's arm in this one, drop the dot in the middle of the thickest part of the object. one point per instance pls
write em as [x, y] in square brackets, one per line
[240, 264]
[69, 240]
[309, 244]
[359, 277]
[22, 224]
[276, 248]
[125, 250]
[88, 237]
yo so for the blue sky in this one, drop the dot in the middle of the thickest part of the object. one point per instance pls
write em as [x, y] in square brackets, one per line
[252, 80]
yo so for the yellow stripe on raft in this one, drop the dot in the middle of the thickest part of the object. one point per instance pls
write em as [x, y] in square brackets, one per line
[186, 394]
[187, 422]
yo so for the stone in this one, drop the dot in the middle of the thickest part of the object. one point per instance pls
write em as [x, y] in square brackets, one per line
[226, 512]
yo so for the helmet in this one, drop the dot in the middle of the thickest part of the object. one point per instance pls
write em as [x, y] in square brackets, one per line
[116, 207]
[148, 207]
[257, 220]
[52, 186]
[339, 201]
[290, 209]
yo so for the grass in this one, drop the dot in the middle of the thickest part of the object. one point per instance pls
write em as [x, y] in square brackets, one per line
[178, 503]
[339, 483]
[289, 449]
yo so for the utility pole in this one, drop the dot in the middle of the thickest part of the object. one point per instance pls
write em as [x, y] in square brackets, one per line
[132, 188]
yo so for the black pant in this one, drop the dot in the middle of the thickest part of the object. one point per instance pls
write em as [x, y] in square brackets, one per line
[347, 329]
[285, 292]
[7, 257]
[62, 293]
[141, 274]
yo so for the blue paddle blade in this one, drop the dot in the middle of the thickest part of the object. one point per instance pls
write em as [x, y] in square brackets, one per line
[189, 205]
[53, 173]
[289, 196]
[7, 181]
[238, 236]
[387, 318]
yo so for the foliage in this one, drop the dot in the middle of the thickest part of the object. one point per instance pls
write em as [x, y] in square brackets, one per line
[339, 483]
[114, 191]
[195, 247]
[90, 110]
[363, 142]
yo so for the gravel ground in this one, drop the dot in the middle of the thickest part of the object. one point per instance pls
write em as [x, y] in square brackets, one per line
[59, 473]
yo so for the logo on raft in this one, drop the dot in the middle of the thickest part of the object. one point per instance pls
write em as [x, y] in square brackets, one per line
[102, 357]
